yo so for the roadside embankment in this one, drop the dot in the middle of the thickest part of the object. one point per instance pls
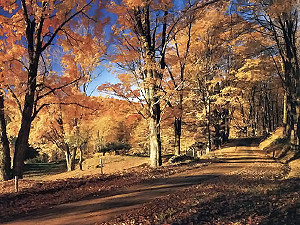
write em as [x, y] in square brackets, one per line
[278, 147]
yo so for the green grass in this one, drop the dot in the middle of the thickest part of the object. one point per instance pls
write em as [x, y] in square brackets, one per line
[41, 169]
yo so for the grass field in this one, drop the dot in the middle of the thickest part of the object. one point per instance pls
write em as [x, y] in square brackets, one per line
[54, 171]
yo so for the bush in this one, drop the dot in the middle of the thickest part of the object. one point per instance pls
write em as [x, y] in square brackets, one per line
[41, 158]
[117, 147]
[31, 153]
[181, 158]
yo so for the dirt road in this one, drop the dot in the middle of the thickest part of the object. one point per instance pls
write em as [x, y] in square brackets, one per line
[100, 209]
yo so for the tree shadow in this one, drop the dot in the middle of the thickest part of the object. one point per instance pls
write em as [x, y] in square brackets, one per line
[248, 142]
[113, 202]
[269, 206]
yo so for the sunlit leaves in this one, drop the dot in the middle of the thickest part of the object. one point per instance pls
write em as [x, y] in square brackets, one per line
[256, 70]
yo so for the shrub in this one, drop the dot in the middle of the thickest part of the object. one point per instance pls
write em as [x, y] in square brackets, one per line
[181, 158]
[31, 153]
[117, 147]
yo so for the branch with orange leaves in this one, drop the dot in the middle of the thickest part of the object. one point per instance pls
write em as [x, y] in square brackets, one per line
[59, 103]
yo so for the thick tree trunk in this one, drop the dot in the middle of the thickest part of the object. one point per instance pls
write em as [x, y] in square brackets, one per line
[70, 158]
[73, 159]
[294, 123]
[21, 147]
[154, 120]
[154, 128]
[5, 170]
[23, 135]
[68, 161]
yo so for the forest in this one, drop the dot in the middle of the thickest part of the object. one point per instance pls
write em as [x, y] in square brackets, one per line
[191, 74]
[201, 109]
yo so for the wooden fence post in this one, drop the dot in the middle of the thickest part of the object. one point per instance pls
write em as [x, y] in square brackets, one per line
[101, 165]
[16, 183]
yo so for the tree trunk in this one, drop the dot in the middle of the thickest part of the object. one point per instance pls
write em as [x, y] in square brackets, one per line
[5, 170]
[73, 159]
[70, 158]
[154, 119]
[252, 111]
[154, 128]
[80, 158]
[68, 161]
[23, 135]
[208, 149]
[21, 147]
[177, 129]
[286, 115]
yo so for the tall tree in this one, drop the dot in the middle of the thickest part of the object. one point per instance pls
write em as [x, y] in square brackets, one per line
[176, 61]
[36, 27]
[141, 30]
[144, 30]
[5, 170]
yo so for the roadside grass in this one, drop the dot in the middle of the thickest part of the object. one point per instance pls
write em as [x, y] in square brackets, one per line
[294, 169]
[42, 169]
[57, 170]
[278, 147]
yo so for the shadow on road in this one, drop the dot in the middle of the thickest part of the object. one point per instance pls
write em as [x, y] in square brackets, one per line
[248, 142]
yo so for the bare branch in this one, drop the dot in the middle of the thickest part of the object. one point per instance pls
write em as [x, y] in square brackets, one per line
[52, 90]
[60, 103]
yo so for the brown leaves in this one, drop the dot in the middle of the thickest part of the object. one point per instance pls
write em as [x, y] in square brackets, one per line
[232, 199]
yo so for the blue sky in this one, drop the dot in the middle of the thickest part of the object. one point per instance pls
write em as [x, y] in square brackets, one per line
[105, 75]
[102, 75]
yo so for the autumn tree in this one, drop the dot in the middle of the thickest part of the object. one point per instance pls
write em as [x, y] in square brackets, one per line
[9, 52]
[36, 28]
[5, 159]
[144, 22]
[66, 126]
[261, 94]
[176, 61]
[144, 30]
[207, 66]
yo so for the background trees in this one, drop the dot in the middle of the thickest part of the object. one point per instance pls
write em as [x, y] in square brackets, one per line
[277, 21]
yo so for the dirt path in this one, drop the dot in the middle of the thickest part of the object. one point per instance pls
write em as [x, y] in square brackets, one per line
[100, 209]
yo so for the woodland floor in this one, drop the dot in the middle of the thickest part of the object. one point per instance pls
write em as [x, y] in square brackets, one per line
[239, 186]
